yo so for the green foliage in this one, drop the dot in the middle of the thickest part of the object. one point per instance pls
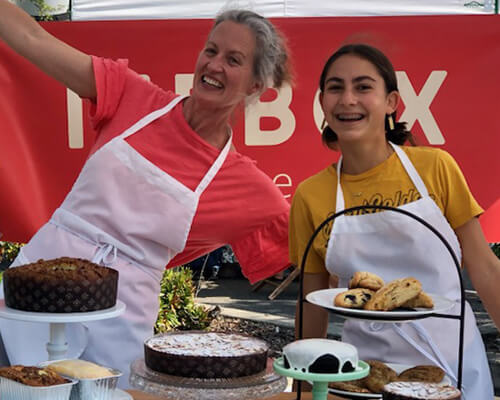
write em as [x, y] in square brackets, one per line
[8, 251]
[178, 311]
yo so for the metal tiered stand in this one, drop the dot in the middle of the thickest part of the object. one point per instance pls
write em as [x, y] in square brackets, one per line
[433, 230]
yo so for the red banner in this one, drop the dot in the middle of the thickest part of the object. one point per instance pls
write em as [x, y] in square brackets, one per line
[447, 69]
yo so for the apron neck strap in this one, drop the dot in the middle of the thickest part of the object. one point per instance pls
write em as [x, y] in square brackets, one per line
[150, 118]
[407, 165]
[216, 166]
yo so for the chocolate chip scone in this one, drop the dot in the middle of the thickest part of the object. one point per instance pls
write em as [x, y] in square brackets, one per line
[422, 373]
[380, 375]
[394, 294]
[367, 280]
[423, 300]
[353, 298]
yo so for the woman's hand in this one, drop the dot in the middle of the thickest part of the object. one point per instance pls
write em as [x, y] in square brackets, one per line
[482, 265]
[26, 37]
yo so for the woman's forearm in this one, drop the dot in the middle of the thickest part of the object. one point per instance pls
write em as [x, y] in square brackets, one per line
[26, 37]
[482, 266]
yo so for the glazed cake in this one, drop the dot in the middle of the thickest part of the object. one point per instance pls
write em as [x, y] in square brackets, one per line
[419, 391]
[62, 285]
[205, 355]
[320, 356]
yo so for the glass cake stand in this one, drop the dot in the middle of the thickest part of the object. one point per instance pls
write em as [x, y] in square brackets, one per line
[57, 345]
[320, 381]
[265, 384]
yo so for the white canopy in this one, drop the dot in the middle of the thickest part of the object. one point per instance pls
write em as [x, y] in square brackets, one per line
[180, 9]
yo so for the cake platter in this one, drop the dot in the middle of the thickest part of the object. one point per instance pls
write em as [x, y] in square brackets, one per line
[265, 384]
[320, 381]
[325, 298]
[57, 345]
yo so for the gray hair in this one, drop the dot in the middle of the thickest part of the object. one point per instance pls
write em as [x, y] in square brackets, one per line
[271, 62]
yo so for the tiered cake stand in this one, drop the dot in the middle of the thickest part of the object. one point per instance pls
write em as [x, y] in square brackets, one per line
[320, 381]
[57, 346]
[265, 384]
[459, 317]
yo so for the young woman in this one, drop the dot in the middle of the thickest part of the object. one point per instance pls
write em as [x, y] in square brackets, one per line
[163, 184]
[359, 97]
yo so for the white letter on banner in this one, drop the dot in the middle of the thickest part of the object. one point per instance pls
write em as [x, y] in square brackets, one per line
[318, 111]
[278, 108]
[183, 84]
[287, 183]
[417, 107]
[75, 120]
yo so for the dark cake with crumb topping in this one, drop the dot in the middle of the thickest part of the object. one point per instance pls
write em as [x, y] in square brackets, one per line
[206, 355]
[62, 285]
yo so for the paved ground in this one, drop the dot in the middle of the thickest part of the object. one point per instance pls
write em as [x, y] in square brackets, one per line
[237, 299]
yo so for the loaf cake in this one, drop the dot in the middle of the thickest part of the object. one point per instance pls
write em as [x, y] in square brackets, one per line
[419, 391]
[32, 376]
[61, 285]
[79, 369]
[320, 356]
[205, 355]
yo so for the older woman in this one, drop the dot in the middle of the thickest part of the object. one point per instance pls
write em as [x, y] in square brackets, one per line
[163, 184]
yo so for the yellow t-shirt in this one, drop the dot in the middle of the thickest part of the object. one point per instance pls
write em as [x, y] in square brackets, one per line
[386, 184]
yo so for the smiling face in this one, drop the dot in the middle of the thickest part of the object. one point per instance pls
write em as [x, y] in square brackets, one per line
[224, 71]
[355, 100]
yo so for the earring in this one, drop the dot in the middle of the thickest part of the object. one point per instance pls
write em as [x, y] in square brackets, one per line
[391, 122]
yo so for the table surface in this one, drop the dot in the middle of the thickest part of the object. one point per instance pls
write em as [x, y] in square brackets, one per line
[282, 396]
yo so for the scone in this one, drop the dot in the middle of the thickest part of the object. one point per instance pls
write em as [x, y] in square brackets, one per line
[353, 298]
[394, 294]
[367, 280]
[423, 300]
[356, 386]
[380, 375]
[422, 373]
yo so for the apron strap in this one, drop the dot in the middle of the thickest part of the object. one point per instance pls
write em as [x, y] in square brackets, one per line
[216, 166]
[150, 118]
[407, 165]
[411, 171]
[422, 333]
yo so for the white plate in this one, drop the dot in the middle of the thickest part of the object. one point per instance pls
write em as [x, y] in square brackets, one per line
[326, 297]
[121, 395]
[396, 367]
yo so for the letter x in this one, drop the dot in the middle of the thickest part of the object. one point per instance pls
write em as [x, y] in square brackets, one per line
[417, 106]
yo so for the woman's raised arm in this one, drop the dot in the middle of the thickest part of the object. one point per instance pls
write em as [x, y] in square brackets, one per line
[64, 63]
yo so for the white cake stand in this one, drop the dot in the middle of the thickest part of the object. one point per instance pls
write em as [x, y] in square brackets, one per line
[57, 346]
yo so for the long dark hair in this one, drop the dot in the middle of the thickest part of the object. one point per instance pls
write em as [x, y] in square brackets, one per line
[398, 135]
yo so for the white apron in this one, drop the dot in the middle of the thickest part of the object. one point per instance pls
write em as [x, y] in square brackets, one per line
[393, 246]
[126, 213]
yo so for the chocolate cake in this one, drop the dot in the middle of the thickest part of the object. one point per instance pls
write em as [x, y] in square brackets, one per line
[419, 391]
[205, 355]
[62, 285]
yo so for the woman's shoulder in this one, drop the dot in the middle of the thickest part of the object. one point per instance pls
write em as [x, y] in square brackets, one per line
[317, 182]
[428, 155]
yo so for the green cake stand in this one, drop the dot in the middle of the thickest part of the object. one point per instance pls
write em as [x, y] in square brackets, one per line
[320, 381]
